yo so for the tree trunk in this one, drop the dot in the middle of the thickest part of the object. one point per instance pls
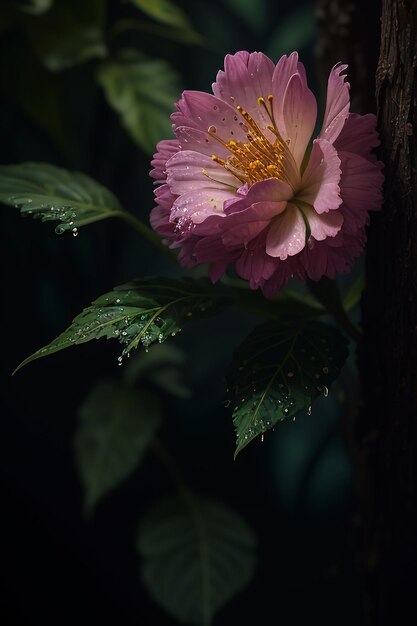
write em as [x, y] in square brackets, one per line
[386, 443]
[388, 355]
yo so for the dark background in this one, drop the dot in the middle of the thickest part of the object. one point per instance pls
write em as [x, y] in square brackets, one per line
[295, 490]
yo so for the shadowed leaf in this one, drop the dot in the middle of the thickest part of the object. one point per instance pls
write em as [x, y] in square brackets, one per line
[34, 7]
[164, 11]
[116, 426]
[70, 33]
[142, 91]
[196, 555]
[279, 370]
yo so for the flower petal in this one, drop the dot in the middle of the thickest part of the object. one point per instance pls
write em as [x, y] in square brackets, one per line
[337, 104]
[325, 225]
[268, 190]
[246, 77]
[299, 116]
[360, 188]
[165, 149]
[254, 264]
[200, 110]
[197, 205]
[287, 234]
[285, 68]
[190, 171]
[359, 135]
[320, 182]
[241, 228]
[200, 141]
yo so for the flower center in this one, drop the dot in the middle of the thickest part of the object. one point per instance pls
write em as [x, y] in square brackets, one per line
[258, 158]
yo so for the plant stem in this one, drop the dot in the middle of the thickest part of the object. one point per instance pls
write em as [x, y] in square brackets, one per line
[147, 233]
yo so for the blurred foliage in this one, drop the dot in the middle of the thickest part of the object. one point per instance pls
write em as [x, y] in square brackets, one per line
[209, 550]
[142, 91]
[117, 425]
[164, 11]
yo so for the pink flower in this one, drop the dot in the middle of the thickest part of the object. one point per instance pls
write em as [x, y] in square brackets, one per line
[242, 183]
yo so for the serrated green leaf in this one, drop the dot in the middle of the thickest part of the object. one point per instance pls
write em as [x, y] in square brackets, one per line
[279, 370]
[70, 33]
[142, 312]
[163, 11]
[196, 555]
[142, 91]
[116, 426]
[51, 193]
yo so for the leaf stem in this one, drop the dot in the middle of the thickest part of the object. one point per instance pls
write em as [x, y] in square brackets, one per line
[147, 233]
[326, 291]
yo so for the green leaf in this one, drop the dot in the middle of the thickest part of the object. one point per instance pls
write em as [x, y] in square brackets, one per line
[116, 426]
[279, 370]
[254, 14]
[196, 555]
[34, 7]
[354, 293]
[51, 193]
[295, 32]
[163, 11]
[70, 33]
[142, 312]
[142, 90]
[161, 368]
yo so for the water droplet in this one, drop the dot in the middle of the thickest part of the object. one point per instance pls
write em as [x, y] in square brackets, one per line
[75, 232]
[226, 403]
[309, 410]
[290, 374]
[325, 391]
[325, 370]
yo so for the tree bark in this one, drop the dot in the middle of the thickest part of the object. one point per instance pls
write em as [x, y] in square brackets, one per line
[388, 354]
[386, 438]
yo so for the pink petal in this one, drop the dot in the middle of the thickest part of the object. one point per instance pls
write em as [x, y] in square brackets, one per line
[202, 111]
[159, 219]
[299, 116]
[246, 77]
[337, 104]
[164, 197]
[197, 205]
[165, 149]
[240, 228]
[284, 270]
[287, 234]
[254, 264]
[285, 68]
[320, 183]
[200, 141]
[360, 189]
[359, 135]
[191, 171]
[325, 225]
[268, 190]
